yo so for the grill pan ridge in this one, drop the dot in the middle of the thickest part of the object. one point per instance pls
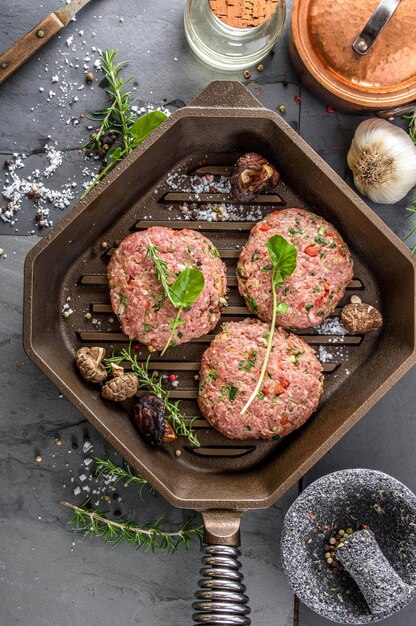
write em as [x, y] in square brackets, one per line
[223, 477]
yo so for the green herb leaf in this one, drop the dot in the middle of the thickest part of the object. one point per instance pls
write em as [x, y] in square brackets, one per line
[284, 258]
[145, 125]
[231, 391]
[283, 255]
[253, 304]
[187, 287]
[281, 308]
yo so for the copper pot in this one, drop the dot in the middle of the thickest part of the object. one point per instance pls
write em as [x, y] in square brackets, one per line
[357, 56]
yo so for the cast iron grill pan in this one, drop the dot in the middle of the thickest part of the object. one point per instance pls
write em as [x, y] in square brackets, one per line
[223, 477]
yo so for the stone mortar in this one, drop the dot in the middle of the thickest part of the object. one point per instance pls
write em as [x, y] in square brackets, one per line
[349, 499]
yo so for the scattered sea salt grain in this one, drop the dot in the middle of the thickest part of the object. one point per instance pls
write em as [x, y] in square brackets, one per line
[87, 461]
[87, 447]
[77, 490]
[82, 477]
[332, 326]
[324, 356]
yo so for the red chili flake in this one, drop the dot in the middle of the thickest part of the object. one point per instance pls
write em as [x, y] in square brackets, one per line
[330, 109]
[19, 365]
[298, 99]
[172, 378]
[135, 346]
[208, 176]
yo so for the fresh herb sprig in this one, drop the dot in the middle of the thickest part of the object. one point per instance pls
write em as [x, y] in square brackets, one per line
[182, 292]
[149, 536]
[118, 120]
[105, 467]
[411, 126]
[152, 381]
[411, 215]
[284, 257]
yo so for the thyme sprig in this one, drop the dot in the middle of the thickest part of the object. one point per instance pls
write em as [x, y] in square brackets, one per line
[149, 536]
[118, 119]
[152, 381]
[105, 467]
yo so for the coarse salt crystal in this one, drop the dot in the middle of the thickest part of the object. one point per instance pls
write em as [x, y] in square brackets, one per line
[77, 490]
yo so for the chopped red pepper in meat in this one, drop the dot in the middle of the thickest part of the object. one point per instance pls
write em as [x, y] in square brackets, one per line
[312, 250]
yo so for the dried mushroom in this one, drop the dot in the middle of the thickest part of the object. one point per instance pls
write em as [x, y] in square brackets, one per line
[169, 435]
[361, 318]
[89, 363]
[149, 417]
[252, 175]
[121, 387]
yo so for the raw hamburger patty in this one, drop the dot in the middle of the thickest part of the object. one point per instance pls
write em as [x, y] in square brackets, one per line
[230, 370]
[137, 296]
[323, 270]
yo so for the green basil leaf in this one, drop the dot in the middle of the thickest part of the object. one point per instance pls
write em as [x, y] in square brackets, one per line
[283, 255]
[114, 153]
[186, 287]
[145, 125]
[281, 308]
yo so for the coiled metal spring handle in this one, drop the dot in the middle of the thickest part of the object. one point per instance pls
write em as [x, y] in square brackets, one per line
[221, 598]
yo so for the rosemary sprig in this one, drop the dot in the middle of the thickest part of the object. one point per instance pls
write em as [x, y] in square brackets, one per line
[411, 127]
[105, 467]
[412, 215]
[153, 382]
[150, 536]
[118, 120]
[163, 275]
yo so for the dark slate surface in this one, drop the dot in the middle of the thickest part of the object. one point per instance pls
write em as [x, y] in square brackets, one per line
[47, 575]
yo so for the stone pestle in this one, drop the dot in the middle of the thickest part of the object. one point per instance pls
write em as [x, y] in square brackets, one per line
[380, 584]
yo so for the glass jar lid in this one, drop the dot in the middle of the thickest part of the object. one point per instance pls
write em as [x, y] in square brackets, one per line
[364, 52]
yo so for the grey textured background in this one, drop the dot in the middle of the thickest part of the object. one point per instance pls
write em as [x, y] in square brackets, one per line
[48, 576]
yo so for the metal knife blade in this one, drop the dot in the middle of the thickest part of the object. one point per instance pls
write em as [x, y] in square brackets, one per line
[69, 10]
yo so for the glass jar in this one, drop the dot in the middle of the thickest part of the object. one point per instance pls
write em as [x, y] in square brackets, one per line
[227, 47]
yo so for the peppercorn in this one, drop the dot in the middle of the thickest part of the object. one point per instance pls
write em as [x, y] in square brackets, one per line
[66, 313]
[298, 99]
[172, 378]
[88, 315]
[104, 244]
[260, 67]
[282, 108]
[1, 251]
[330, 109]
[58, 441]
[105, 147]
[89, 77]
[178, 453]
[247, 74]
[38, 458]
[7, 163]
[107, 498]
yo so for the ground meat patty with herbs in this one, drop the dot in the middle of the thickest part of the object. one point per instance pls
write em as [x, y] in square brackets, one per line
[137, 296]
[323, 270]
[231, 367]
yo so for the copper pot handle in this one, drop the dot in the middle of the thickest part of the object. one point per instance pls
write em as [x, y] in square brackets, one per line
[374, 26]
[397, 111]
[221, 598]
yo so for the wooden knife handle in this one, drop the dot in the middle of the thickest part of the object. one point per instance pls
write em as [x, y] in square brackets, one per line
[22, 50]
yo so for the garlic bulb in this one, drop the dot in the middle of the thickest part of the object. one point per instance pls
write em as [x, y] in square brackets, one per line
[382, 158]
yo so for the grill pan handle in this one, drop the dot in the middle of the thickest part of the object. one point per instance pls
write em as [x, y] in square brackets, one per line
[221, 598]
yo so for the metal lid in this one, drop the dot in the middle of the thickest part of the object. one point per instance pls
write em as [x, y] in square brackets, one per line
[243, 13]
[363, 52]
